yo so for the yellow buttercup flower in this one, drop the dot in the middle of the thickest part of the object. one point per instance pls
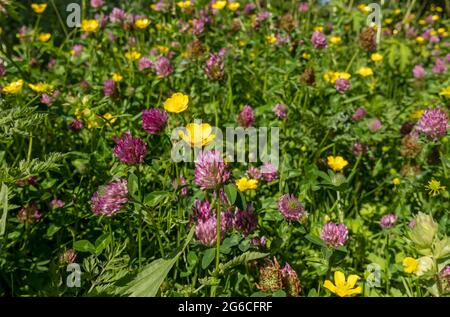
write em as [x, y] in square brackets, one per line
[89, 25]
[117, 77]
[434, 187]
[336, 163]
[44, 37]
[318, 29]
[219, 5]
[410, 264]
[445, 92]
[13, 88]
[41, 88]
[233, 6]
[422, 22]
[343, 287]
[306, 55]
[132, 55]
[109, 118]
[435, 18]
[420, 40]
[184, 4]
[397, 11]
[396, 181]
[198, 135]
[331, 76]
[142, 23]
[39, 7]
[244, 184]
[416, 115]
[177, 103]
[335, 40]
[271, 39]
[376, 57]
[365, 71]
[163, 49]
[363, 8]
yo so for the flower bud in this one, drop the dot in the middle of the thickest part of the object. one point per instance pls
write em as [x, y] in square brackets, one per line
[424, 231]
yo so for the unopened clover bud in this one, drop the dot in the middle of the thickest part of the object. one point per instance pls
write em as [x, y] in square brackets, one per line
[441, 248]
[425, 264]
[424, 231]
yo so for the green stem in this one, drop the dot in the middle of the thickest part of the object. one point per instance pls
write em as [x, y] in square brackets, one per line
[30, 147]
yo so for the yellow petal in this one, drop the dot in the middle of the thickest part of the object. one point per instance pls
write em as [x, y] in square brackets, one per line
[339, 279]
[354, 291]
[329, 286]
[351, 281]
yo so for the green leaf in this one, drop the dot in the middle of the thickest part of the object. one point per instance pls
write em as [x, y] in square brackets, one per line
[133, 186]
[230, 242]
[102, 242]
[4, 203]
[52, 229]
[155, 198]
[148, 281]
[208, 257]
[243, 258]
[279, 293]
[84, 246]
[315, 240]
[231, 192]
[240, 201]
[244, 245]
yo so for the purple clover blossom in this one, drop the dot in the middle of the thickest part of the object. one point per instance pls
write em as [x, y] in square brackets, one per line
[198, 26]
[290, 207]
[303, 7]
[110, 199]
[181, 183]
[2, 68]
[388, 221]
[117, 15]
[96, 3]
[334, 235]
[57, 203]
[245, 221]
[69, 256]
[269, 172]
[75, 125]
[130, 150]
[210, 170]
[319, 40]
[259, 241]
[262, 16]
[375, 125]
[154, 120]
[77, 49]
[433, 123]
[109, 88]
[214, 67]
[247, 117]
[206, 231]
[419, 71]
[280, 110]
[249, 8]
[253, 173]
[144, 63]
[439, 66]
[30, 214]
[342, 85]
[163, 67]
[359, 114]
